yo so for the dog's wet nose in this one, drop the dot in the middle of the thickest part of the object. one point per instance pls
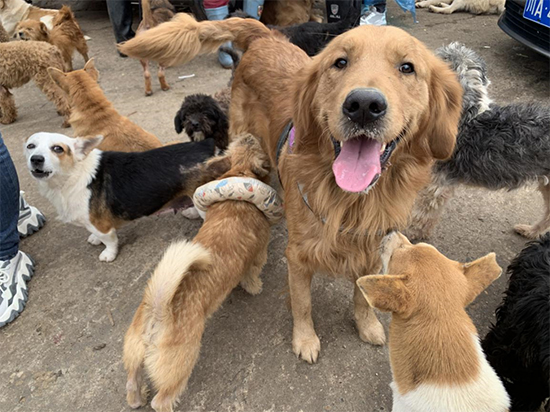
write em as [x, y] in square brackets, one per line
[37, 160]
[364, 106]
[195, 124]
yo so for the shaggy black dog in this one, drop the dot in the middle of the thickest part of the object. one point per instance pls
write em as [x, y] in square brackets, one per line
[518, 345]
[497, 147]
[312, 37]
[202, 118]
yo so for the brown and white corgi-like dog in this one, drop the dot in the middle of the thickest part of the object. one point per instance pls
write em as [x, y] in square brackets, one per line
[103, 190]
[436, 358]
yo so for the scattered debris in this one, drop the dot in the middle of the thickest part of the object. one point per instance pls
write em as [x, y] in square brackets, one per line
[100, 346]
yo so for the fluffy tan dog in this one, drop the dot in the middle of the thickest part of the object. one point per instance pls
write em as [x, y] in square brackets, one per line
[93, 115]
[155, 12]
[66, 35]
[192, 281]
[21, 62]
[14, 11]
[436, 358]
[470, 6]
[370, 113]
[4, 38]
[288, 12]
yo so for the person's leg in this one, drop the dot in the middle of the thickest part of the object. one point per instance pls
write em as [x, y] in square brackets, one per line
[16, 268]
[120, 13]
[218, 10]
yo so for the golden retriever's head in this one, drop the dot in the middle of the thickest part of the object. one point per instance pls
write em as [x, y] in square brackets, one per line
[374, 90]
[248, 159]
[421, 280]
[76, 80]
[31, 30]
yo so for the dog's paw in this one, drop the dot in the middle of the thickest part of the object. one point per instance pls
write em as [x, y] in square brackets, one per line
[444, 9]
[134, 399]
[527, 231]
[308, 349]
[93, 240]
[254, 286]
[108, 255]
[191, 213]
[422, 4]
[372, 332]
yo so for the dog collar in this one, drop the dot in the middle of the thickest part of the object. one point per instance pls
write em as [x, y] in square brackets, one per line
[246, 189]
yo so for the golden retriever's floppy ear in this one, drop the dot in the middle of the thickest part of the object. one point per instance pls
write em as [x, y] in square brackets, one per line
[305, 84]
[57, 76]
[84, 145]
[387, 293]
[480, 273]
[445, 108]
[89, 68]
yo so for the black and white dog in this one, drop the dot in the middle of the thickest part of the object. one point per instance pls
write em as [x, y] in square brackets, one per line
[202, 117]
[103, 190]
[518, 345]
[497, 147]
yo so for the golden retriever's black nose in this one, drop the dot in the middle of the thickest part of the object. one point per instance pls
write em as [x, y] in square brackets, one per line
[363, 106]
[37, 160]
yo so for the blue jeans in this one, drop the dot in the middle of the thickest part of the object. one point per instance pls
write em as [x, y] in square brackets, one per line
[120, 13]
[9, 205]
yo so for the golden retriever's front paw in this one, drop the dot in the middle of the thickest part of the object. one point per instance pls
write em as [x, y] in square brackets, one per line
[252, 286]
[422, 4]
[526, 231]
[372, 333]
[307, 349]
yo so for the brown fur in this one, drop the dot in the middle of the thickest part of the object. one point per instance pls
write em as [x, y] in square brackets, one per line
[165, 335]
[288, 12]
[155, 12]
[92, 114]
[4, 38]
[276, 82]
[430, 332]
[65, 35]
[21, 62]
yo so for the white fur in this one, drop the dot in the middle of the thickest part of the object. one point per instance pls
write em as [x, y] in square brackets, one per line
[15, 11]
[68, 190]
[484, 394]
[472, 6]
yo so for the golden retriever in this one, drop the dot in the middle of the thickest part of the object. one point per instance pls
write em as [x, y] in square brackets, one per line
[371, 91]
[191, 282]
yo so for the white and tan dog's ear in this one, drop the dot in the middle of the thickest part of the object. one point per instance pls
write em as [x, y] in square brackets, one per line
[89, 68]
[480, 273]
[388, 293]
[84, 145]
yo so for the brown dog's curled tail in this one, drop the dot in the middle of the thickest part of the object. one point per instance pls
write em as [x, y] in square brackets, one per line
[178, 260]
[181, 39]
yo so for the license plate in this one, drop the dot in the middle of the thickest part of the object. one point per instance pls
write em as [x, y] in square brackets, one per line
[538, 11]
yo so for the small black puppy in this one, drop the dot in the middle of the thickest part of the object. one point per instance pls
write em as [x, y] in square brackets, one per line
[202, 118]
[518, 345]
[312, 37]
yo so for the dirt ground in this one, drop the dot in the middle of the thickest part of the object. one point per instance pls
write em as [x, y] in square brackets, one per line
[64, 352]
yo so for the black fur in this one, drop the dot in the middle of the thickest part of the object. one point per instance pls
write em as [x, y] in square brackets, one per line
[518, 345]
[312, 37]
[200, 113]
[497, 147]
[137, 184]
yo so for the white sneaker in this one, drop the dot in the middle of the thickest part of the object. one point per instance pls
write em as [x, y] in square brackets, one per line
[14, 275]
[373, 16]
[30, 218]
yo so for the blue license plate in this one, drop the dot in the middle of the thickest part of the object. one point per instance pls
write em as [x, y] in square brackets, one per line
[538, 11]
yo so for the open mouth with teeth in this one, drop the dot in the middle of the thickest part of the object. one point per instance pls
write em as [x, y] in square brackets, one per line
[360, 162]
[39, 174]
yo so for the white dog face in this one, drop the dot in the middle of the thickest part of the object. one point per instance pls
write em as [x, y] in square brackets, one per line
[53, 154]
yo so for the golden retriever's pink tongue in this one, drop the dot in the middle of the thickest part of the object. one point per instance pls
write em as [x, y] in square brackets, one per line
[357, 164]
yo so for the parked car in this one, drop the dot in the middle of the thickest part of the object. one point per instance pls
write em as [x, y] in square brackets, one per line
[528, 21]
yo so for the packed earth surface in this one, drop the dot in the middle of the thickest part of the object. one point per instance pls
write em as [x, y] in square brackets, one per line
[64, 352]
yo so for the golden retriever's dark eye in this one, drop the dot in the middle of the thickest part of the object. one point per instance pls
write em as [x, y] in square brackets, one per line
[340, 63]
[406, 68]
[31, 146]
[57, 149]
